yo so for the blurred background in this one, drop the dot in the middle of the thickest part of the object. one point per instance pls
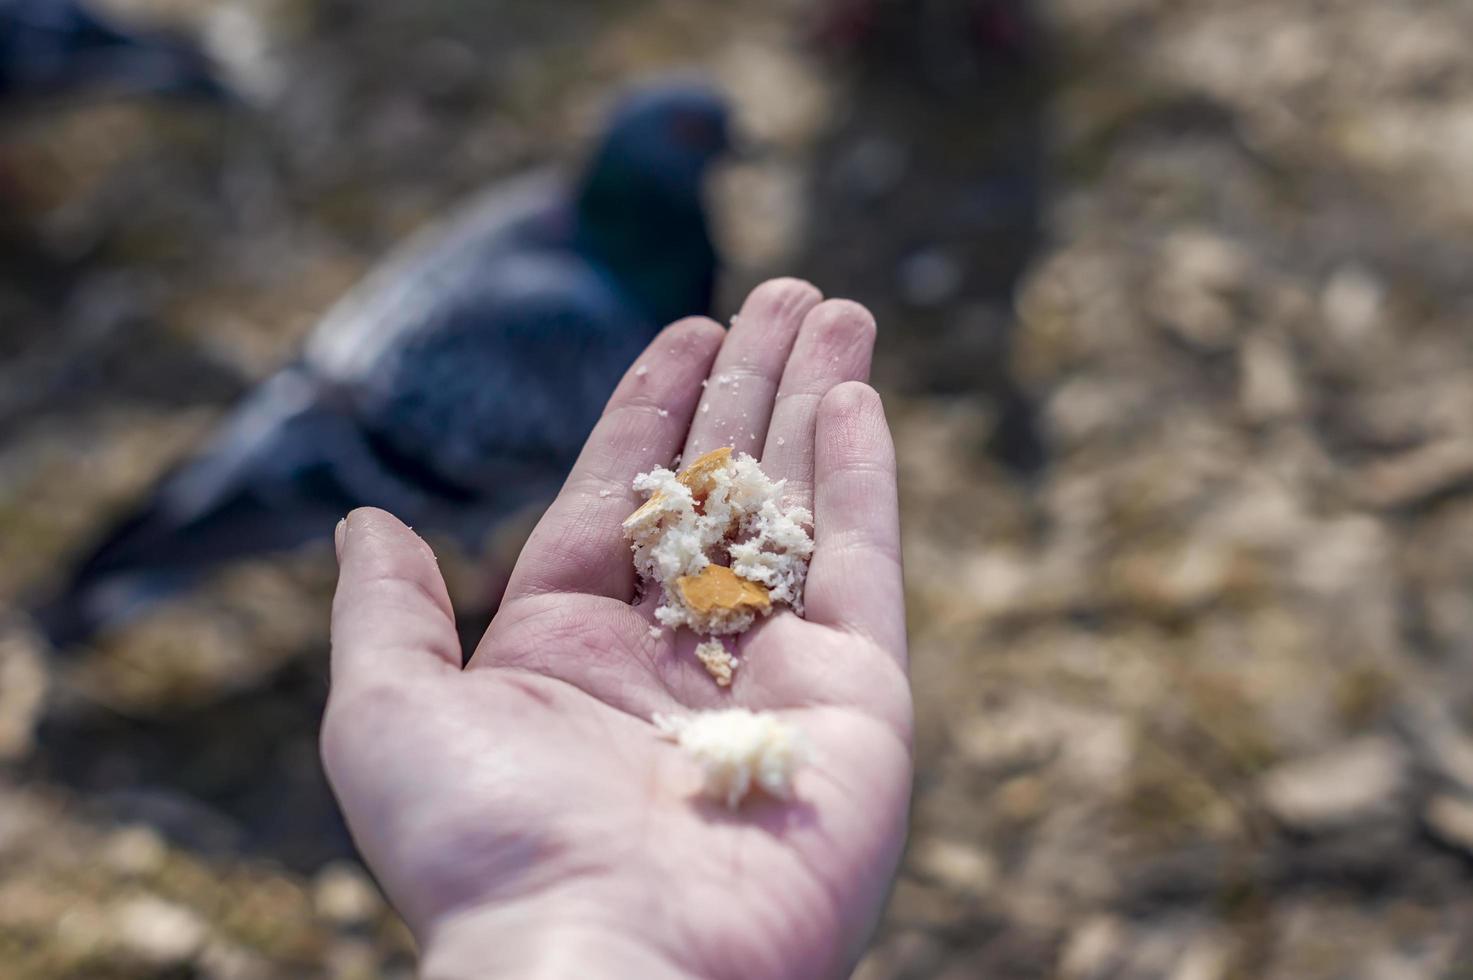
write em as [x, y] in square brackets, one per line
[1173, 302]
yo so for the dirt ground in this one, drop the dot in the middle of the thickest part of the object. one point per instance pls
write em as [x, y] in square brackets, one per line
[1174, 318]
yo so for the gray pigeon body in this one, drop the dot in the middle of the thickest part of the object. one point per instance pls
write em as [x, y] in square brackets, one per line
[454, 385]
[61, 49]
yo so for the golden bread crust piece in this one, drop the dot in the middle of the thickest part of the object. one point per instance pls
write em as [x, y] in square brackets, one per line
[719, 588]
[696, 478]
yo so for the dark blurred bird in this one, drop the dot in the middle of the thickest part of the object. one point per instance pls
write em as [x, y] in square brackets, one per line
[927, 192]
[454, 385]
[60, 49]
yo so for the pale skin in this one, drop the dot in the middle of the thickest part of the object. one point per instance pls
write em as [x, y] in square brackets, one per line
[522, 813]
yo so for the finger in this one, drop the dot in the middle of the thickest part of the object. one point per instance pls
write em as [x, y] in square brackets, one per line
[578, 546]
[854, 580]
[391, 614]
[738, 398]
[834, 345]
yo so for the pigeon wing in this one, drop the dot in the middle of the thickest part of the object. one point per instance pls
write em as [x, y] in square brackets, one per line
[502, 381]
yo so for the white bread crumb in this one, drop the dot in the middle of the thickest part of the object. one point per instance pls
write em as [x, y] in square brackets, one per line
[718, 661]
[722, 509]
[642, 370]
[739, 750]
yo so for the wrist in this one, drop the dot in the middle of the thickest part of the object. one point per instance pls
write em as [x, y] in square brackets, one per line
[524, 942]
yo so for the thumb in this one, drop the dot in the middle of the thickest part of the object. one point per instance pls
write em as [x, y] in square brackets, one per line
[391, 614]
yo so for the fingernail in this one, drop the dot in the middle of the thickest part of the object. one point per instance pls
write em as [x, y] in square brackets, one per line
[339, 535]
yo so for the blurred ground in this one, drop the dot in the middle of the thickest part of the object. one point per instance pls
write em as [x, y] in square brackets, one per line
[1195, 702]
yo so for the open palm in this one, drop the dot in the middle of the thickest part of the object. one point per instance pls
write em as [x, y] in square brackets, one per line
[522, 812]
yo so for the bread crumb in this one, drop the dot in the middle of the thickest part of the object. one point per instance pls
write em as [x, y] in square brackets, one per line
[642, 370]
[705, 407]
[781, 441]
[718, 661]
[739, 750]
[718, 542]
[728, 604]
[605, 494]
[664, 413]
[656, 631]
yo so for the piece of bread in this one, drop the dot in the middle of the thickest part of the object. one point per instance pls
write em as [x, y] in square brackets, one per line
[740, 750]
[718, 661]
[719, 544]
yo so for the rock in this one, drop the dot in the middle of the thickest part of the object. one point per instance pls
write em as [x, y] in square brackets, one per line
[1084, 745]
[23, 683]
[353, 959]
[160, 933]
[1200, 272]
[1092, 949]
[1206, 958]
[135, 850]
[1351, 303]
[82, 930]
[1449, 818]
[1416, 477]
[1441, 744]
[959, 866]
[343, 895]
[1358, 782]
[1268, 388]
[905, 954]
[223, 961]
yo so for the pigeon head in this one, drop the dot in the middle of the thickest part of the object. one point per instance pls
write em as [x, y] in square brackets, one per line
[661, 140]
[640, 207]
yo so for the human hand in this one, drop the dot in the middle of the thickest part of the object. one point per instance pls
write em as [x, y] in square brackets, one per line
[522, 813]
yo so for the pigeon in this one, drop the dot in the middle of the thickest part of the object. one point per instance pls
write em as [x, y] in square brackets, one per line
[456, 383]
[60, 49]
[940, 143]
